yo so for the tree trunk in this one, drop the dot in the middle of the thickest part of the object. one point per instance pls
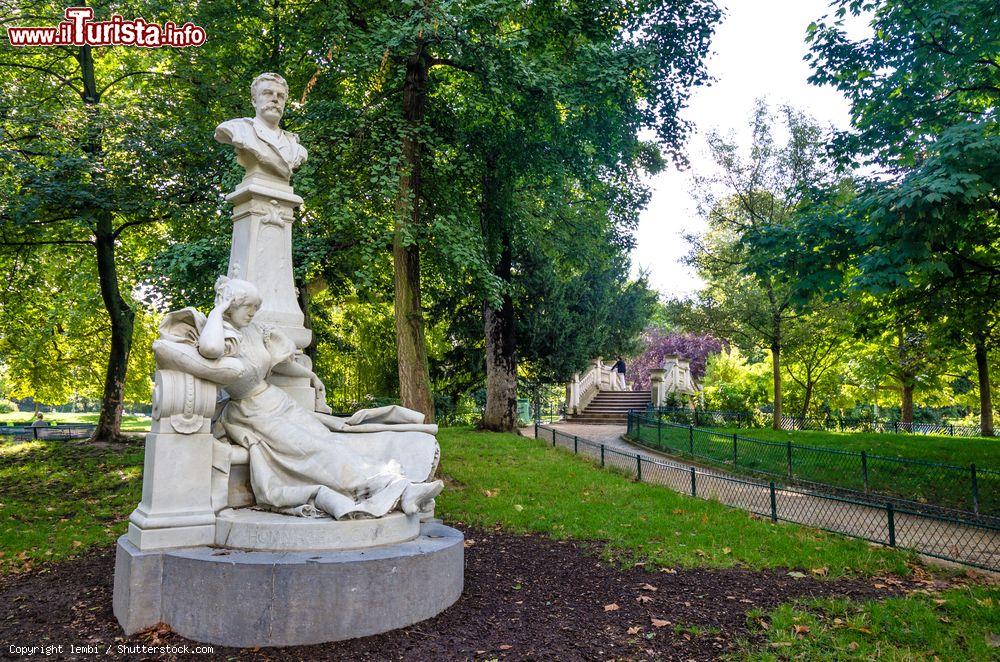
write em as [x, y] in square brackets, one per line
[120, 314]
[808, 397]
[985, 397]
[122, 319]
[906, 406]
[414, 375]
[500, 413]
[776, 377]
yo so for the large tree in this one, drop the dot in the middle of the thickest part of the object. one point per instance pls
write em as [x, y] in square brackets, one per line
[924, 90]
[747, 300]
[90, 150]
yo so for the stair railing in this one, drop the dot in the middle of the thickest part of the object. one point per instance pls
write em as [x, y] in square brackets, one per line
[583, 388]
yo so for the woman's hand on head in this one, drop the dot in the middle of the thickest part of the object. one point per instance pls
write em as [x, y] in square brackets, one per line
[224, 299]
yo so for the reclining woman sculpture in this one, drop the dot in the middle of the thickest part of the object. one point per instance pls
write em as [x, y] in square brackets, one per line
[297, 463]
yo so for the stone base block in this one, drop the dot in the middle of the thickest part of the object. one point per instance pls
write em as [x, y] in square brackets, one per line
[178, 536]
[245, 599]
[247, 529]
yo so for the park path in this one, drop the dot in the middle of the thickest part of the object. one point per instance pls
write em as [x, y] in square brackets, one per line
[925, 534]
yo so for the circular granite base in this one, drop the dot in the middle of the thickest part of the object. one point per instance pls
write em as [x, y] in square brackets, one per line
[249, 529]
[247, 599]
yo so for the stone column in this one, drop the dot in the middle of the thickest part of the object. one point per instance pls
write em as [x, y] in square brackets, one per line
[574, 402]
[657, 391]
[263, 212]
[176, 507]
[599, 380]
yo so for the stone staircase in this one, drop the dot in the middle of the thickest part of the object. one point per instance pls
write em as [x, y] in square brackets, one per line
[611, 407]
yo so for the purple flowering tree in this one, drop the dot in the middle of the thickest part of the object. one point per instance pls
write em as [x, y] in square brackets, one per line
[692, 346]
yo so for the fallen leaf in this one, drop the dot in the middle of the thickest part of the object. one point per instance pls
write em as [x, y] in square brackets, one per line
[647, 587]
[77, 543]
[469, 543]
[669, 571]
[505, 647]
[801, 629]
[490, 493]
[645, 598]
[727, 550]
[853, 646]
[780, 644]
[940, 602]
[796, 574]
[659, 623]
[611, 607]
[992, 640]
[518, 507]
[820, 572]
[880, 586]
[633, 630]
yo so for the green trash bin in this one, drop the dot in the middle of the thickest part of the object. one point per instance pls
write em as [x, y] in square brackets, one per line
[523, 411]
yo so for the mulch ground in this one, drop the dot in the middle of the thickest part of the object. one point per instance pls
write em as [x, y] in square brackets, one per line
[526, 597]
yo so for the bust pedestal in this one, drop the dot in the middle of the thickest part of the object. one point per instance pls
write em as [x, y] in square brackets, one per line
[263, 213]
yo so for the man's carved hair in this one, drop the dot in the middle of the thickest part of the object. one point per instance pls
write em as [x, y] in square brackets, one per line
[259, 80]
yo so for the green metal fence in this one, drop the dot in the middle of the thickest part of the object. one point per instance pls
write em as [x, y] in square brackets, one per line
[62, 432]
[968, 540]
[758, 419]
[931, 487]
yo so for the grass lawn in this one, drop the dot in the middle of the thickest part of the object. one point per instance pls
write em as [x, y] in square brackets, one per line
[59, 497]
[957, 624]
[914, 481]
[130, 422]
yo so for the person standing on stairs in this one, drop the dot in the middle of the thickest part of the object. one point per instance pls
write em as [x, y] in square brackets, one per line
[618, 372]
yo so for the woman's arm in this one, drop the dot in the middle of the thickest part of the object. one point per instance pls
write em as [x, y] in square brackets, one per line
[212, 340]
[185, 358]
[290, 368]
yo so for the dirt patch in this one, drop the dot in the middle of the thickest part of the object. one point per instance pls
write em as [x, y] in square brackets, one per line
[525, 597]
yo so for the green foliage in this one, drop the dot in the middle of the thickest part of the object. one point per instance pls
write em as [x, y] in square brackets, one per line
[916, 244]
[922, 68]
[732, 384]
[355, 351]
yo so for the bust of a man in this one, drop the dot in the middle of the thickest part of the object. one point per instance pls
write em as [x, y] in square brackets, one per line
[262, 146]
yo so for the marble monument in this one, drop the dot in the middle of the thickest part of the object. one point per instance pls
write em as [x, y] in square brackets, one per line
[264, 520]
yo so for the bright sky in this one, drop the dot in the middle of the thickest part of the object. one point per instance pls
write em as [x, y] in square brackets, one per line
[756, 53]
